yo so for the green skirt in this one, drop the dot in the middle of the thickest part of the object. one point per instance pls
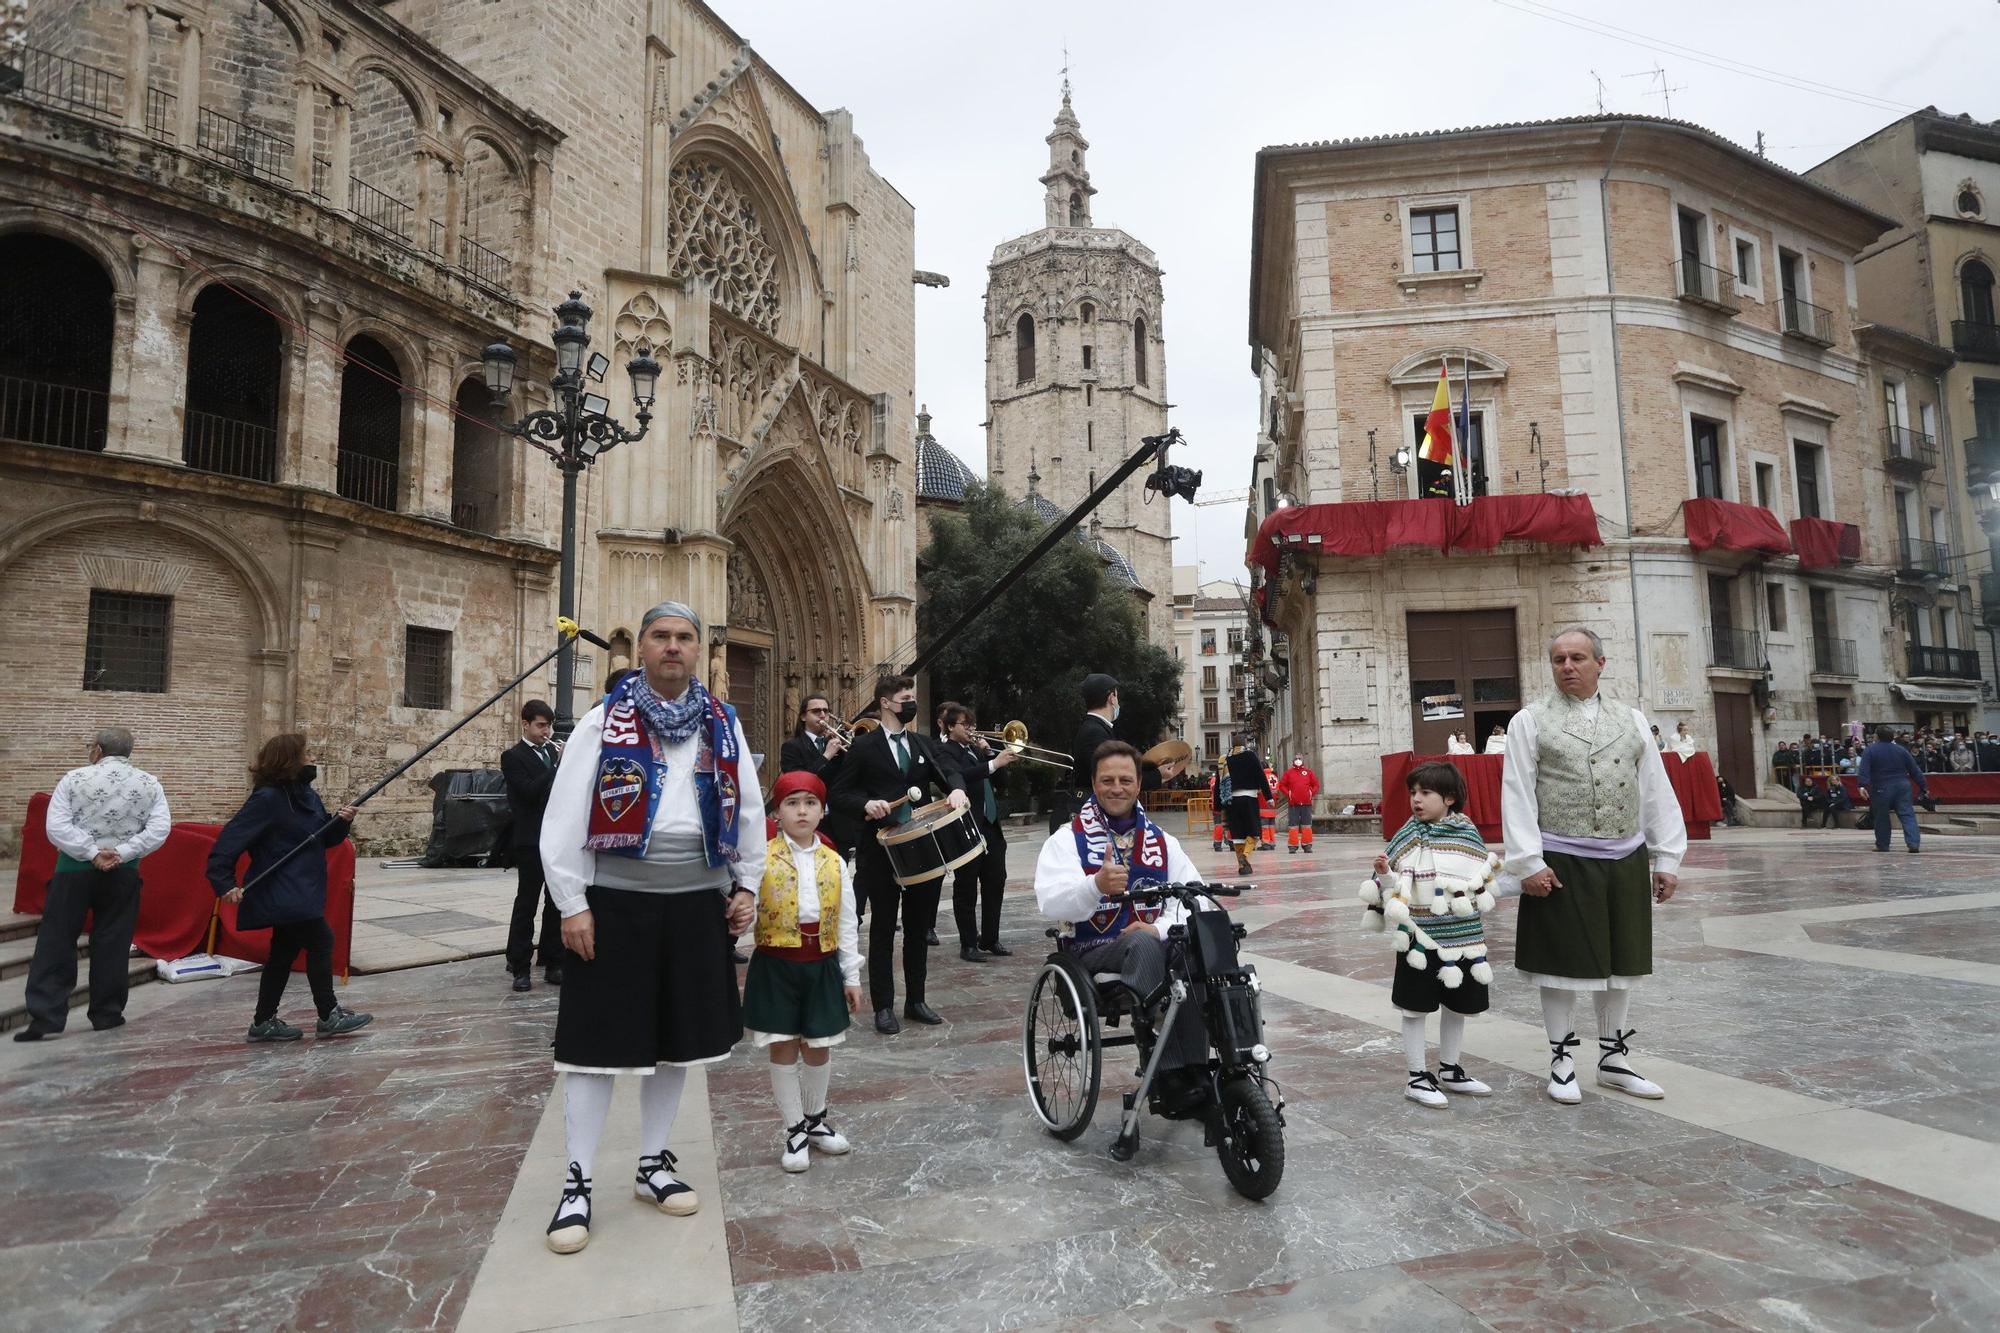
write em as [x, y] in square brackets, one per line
[784, 1000]
[1598, 925]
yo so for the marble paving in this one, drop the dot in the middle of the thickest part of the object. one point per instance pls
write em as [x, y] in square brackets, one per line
[1799, 1176]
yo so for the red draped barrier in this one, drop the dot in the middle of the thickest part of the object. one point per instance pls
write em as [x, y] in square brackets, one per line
[175, 901]
[1372, 527]
[1823, 541]
[1945, 788]
[1693, 782]
[1734, 527]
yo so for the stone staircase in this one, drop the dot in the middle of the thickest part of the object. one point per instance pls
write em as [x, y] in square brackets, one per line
[17, 949]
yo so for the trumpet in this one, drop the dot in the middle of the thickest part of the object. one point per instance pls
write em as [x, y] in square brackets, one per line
[1013, 738]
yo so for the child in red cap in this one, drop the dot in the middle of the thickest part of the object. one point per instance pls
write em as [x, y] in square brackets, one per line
[805, 978]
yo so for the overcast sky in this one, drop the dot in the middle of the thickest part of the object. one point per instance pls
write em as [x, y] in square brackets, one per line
[953, 99]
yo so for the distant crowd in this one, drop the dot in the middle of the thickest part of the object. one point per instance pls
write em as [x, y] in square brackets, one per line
[1935, 752]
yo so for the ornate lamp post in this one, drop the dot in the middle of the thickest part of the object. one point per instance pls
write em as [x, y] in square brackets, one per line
[576, 433]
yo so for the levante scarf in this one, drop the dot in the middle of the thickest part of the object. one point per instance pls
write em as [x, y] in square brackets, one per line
[638, 724]
[1146, 861]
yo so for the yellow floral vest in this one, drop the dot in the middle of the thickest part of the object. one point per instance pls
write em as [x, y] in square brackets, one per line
[778, 896]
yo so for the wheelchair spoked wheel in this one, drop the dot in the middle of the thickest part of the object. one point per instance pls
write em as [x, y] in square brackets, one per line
[1060, 1051]
[1251, 1142]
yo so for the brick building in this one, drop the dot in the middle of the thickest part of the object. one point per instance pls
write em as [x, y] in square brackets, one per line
[1648, 321]
[251, 481]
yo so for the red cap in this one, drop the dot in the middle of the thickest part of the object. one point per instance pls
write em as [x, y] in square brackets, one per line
[797, 780]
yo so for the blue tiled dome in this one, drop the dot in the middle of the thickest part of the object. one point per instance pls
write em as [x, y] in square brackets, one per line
[941, 474]
[1117, 567]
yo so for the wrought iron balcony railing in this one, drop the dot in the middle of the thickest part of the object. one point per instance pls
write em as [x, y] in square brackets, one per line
[1803, 319]
[1944, 663]
[372, 481]
[1738, 649]
[1705, 284]
[63, 415]
[1833, 657]
[1922, 557]
[1909, 449]
[1977, 340]
[225, 445]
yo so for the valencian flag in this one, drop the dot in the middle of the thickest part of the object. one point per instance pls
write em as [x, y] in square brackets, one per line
[1436, 446]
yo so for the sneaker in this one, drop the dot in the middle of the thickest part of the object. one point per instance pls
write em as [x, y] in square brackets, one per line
[824, 1137]
[341, 1022]
[1424, 1090]
[569, 1230]
[1453, 1078]
[1615, 1073]
[1562, 1072]
[796, 1158]
[273, 1029]
[657, 1185]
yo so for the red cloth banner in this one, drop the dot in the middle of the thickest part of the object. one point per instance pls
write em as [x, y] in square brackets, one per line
[1822, 541]
[1945, 788]
[1693, 782]
[1734, 527]
[1373, 527]
[175, 901]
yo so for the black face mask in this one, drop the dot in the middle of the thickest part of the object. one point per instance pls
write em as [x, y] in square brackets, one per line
[907, 712]
[309, 773]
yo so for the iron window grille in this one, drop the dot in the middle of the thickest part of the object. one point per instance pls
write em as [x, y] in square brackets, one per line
[126, 647]
[426, 667]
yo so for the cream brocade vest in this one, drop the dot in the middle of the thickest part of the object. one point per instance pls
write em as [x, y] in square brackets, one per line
[1587, 776]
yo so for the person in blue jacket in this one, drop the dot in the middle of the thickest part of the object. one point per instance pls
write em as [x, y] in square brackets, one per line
[1888, 776]
[283, 811]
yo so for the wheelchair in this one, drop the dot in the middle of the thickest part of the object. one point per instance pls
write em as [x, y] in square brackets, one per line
[1073, 1015]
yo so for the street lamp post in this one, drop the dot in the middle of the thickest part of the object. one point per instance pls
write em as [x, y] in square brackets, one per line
[576, 433]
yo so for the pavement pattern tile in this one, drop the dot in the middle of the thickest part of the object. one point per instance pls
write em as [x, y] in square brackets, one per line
[167, 1175]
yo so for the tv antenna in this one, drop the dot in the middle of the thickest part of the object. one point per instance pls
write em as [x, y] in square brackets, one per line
[1658, 74]
[1600, 91]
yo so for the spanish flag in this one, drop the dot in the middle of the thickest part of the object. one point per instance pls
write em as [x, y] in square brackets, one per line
[1436, 447]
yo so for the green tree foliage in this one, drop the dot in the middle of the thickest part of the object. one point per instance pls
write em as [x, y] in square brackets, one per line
[1026, 655]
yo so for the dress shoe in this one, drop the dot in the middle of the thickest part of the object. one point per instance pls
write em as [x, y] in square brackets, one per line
[523, 982]
[740, 956]
[31, 1033]
[931, 939]
[885, 1022]
[552, 975]
[971, 954]
[106, 1024]
[919, 1012]
[998, 950]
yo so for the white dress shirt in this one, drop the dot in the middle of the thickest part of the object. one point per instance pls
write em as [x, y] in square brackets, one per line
[1661, 829]
[1687, 747]
[1065, 893]
[108, 805]
[805, 864]
[1496, 745]
[674, 860]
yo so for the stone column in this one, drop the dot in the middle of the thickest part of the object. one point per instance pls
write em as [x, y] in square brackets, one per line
[304, 97]
[528, 277]
[149, 363]
[138, 64]
[430, 448]
[310, 455]
[187, 131]
[454, 209]
[341, 154]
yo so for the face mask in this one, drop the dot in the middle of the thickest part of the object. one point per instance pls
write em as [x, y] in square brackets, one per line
[309, 773]
[1115, 710]
[906, 712]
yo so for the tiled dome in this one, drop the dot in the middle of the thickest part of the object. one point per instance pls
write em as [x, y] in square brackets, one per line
[1117, 567]
[941, 474]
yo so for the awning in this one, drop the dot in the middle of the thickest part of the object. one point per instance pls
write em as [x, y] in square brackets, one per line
[1965, 696]
[1372, 527]
[1734, 527]
[1822, 541]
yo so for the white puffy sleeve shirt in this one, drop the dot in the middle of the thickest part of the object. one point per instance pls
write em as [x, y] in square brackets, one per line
[1660, 824]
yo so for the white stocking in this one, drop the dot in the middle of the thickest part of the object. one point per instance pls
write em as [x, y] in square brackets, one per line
[1413, 1043]
[1451, 1037]
[659, 1100]
[586, 1101]
[785, 1087]
[1557, 1004]
[1611, 1005]
[813, 1080]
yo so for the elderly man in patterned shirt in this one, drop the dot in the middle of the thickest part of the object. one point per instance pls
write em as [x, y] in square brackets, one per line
[102, 818]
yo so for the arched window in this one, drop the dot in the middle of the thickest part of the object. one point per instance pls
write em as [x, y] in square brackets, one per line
[1076, 208]
[1975, 292]
[235, 362]
[476, 461]
[1968, 203]
[371, 425]
[1024, 350]
[55, 373]
[1087, 312]
[1139, 350]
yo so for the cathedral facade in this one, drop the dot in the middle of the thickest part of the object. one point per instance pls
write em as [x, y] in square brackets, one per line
[252, 478]
[1076, 373]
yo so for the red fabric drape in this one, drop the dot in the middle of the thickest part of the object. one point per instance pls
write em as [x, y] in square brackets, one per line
[175, 901]
[1734, 527]
[1371, 527]
[1693, 782]
[1822, 541]
[1946, 788]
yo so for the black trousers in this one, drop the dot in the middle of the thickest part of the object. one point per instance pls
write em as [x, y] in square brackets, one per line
[530, 888]
[919, 910]
[315, 938]
[112, 899]
[980, 881]
[1140, 958]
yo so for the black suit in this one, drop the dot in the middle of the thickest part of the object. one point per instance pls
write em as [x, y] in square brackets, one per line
[802, 753]
[871, 773]
[529, 776]
[1091, 733]
[978, 883]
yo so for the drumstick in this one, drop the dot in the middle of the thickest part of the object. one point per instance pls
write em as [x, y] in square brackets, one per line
[913, 794]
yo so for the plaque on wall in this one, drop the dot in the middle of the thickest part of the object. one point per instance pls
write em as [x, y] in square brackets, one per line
[1346, 677]
[1673, 682]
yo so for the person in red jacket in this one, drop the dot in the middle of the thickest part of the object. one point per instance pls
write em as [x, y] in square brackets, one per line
[1299, 785]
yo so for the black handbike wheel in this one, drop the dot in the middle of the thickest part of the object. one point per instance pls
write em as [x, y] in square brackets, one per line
[1059, 1050]
[1252, 1142]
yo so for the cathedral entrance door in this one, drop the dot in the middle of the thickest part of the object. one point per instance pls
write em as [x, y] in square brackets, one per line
[749, 680]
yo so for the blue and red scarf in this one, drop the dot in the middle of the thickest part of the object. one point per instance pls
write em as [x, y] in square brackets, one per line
[1147, 861]
[631, 774]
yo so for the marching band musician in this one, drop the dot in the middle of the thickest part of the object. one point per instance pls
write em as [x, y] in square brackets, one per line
[870, 789]
[816, 747]
[983, 879]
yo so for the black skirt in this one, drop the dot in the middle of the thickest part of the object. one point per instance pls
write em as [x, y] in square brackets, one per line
[1245, 819]
[661, 990]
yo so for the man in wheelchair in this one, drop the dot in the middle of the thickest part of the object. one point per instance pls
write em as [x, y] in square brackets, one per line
[1083, 879]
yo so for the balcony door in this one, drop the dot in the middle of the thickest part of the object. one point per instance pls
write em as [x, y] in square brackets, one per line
[1464, 675]
[1734, 753]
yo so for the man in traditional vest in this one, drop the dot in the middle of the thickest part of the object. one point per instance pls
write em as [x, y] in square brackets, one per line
[1594, 833]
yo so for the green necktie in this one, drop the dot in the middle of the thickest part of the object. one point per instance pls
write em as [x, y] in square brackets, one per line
[992, 806]
[902, 744]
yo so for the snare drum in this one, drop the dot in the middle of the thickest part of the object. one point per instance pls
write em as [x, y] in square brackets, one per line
[936, 840]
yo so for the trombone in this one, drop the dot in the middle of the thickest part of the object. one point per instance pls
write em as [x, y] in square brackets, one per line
[1014, 739]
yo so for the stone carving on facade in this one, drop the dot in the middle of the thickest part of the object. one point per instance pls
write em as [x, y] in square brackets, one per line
[641, 323]
[748, 607]
[720, 239]
[895, 504]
